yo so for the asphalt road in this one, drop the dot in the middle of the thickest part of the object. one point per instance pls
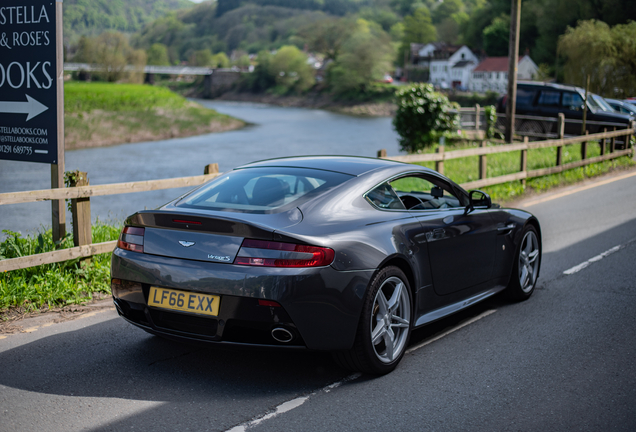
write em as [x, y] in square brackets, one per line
[563, 360]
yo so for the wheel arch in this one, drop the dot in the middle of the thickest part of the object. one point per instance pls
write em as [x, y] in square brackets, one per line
[403, 264]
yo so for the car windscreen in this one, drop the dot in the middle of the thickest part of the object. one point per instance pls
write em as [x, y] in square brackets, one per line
[602, 103]
[262, 190]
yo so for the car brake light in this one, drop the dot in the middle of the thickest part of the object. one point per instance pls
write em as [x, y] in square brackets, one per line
[131, 239]
[276, 254]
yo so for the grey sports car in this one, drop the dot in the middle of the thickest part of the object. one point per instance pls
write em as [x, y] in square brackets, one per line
[345, 254]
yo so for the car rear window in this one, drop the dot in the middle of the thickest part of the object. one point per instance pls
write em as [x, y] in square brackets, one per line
[549, 98]
[525, 96]
[262, 190]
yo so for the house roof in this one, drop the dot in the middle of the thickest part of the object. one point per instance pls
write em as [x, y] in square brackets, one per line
[494, 64]
[462, 63]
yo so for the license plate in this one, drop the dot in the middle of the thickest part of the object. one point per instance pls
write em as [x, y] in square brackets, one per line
[165, 298]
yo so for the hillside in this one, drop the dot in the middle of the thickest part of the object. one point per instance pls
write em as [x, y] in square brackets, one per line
[92, 17]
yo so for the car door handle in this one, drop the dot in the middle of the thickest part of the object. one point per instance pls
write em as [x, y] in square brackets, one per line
[506, 229]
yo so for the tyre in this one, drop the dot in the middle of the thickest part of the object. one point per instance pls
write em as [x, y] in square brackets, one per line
[526, 266]
[384, 327]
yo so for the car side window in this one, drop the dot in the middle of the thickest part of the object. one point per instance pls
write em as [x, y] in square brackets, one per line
[384, 197]
[549, 98]
[572, 101]
[525, 96]
[419, 192]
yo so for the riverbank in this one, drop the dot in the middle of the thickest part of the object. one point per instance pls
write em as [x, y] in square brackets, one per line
[103, 114]
[315, 101]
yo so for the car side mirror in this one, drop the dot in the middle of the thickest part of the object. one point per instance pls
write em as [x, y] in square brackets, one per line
[478, 198]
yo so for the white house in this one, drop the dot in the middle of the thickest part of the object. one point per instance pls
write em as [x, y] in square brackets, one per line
[492, 73]
[449, 66]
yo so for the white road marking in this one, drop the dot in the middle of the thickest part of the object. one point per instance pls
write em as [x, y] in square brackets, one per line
[578, 268]
[295, 403]
[290, 405]
[451, 330]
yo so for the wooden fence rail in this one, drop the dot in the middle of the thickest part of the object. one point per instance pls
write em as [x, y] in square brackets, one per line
[441, 155]
[80, 192]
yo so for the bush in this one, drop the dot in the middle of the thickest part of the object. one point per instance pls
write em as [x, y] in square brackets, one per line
[423, 116]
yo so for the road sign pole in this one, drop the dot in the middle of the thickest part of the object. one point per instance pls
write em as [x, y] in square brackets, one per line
[513, 62]
[58, 210]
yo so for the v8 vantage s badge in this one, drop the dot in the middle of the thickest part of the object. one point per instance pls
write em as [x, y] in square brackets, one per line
[219, 258]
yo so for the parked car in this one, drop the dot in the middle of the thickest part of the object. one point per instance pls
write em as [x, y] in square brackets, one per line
[341, 254]
[622, 107]
[548, 100]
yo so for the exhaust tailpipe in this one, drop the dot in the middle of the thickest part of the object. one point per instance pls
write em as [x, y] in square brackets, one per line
[282, 335]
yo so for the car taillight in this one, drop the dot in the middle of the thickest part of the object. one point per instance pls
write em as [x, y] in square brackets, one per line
[276, 254]
[131, 239]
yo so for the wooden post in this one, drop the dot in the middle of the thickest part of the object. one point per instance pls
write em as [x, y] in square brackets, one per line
[524, 161]
[81, 211]
[483, 163]
[477, 118]
[211, 168]
[439, 165]
[613, 142]
[382, 153]
[561, 132]
[603, 142]
[513, 56]
[58, 210]
[584, 148]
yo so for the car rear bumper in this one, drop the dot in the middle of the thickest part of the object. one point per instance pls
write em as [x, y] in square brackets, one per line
[320, 307]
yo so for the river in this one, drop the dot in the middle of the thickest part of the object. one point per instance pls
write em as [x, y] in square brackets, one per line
[274, 132]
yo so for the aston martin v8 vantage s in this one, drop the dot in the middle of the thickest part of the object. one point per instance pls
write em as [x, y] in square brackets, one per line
[345, 254]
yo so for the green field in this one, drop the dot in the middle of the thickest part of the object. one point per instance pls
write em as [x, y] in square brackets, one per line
[467, 169]
[98, 114]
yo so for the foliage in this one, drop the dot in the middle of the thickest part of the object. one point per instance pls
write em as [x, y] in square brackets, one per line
[605, 54]
[422, 116]
[285, 72]
[366, 57]
[57, 284]
[327, 36]
[201, 58]
[158, 55]
[496, 36]
[418, 28]
[90, 18]
[491, 121]
[290, 70]
[111, 51]
[220, 60]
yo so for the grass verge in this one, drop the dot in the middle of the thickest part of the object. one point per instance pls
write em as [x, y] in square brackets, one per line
[53, 285]
[99, 114]
[467, 169]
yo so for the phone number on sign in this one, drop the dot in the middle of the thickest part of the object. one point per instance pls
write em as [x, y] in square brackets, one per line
[21, 150]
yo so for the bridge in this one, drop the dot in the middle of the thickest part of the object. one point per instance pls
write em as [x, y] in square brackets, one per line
[216, 80]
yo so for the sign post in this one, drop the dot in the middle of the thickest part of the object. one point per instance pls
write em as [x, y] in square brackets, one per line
[32, 90]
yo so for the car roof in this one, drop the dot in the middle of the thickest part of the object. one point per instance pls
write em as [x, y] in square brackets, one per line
[351, 165]
[551, 85]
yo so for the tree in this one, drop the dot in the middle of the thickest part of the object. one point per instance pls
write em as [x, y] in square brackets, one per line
[327, 36]
[220, 60]
[201, 58]
[418, 28]
[291, 71]
[158, 55]
[607, 55]
[422, 116]
[446, 9]
[366, 56]
[112, 51]
[496, 36]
